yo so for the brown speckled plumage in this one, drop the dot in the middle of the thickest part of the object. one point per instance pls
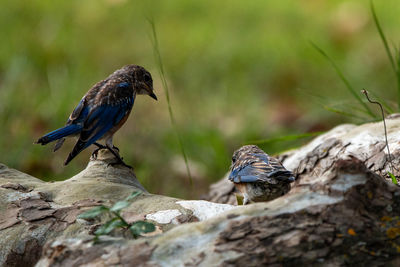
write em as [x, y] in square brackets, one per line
[103, 110]
[258, 176]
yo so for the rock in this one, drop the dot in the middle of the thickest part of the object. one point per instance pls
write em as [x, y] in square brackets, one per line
[332, 221]
[340, 211]
[33, 211]
[365, 142]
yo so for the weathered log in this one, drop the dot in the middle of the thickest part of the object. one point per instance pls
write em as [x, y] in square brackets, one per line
[340, 211]
[33, 212]
[365, 142]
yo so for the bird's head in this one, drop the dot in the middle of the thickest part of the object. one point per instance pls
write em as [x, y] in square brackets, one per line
[142, 81]
[245, 151]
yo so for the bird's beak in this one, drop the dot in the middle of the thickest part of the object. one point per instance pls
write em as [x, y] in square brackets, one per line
[152, 95]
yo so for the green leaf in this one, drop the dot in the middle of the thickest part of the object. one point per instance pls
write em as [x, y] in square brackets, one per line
[92, 213]
[239, 199]
[394, 180]
[120, 205]
[109, 226]
[140, 227]
[133, 195]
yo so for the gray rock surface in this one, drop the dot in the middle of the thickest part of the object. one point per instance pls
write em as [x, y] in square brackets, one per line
[33, 212]
[340, 211]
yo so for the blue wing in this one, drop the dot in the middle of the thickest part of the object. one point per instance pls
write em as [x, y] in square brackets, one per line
[101, 119]
[259, 168]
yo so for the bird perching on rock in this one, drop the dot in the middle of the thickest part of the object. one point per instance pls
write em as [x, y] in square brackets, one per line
[102, 111]
[258, 176]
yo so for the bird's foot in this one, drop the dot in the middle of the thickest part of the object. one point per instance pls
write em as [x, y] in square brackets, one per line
[95, 152]
[116, 148]
[120, 160]
[100, 146]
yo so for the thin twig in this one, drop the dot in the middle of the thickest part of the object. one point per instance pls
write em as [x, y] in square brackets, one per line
[365, 92]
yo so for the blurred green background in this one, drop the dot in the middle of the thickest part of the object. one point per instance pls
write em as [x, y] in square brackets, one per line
[238, 71]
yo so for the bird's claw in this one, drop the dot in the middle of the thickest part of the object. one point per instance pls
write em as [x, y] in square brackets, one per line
[95, 153]
[119, 163]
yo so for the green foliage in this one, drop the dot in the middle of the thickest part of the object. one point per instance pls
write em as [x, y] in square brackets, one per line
[133, 195]
[117, 221]
[349, 87]
[394, 180]
[93, 213]
[109, 226]
[141, 227]
[394, 60]
[120, 205]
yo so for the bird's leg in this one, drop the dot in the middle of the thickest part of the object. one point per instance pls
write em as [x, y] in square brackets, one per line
[99, 146]
[120, 161]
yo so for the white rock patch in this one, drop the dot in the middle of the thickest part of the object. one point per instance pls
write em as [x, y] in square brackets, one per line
[164, 216]
[204, 210]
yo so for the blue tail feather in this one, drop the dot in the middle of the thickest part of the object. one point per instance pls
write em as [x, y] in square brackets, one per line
[59, 133]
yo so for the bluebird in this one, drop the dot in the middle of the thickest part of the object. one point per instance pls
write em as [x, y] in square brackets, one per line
[102, 111]
[258, 176]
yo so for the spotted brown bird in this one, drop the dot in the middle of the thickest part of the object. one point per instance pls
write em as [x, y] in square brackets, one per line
[258, 176]
[103, 110]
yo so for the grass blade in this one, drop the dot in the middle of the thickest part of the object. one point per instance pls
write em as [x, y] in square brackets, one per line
[388, 108]
[166, 89]
[383, 37]
[345, 81]
[344, 113]
[284, 138]
[394, 62]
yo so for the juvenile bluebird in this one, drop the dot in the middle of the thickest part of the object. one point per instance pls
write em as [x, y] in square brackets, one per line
[258, 176]
[103, 110]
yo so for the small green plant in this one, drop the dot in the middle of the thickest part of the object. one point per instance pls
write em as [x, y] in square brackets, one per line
[117, 221]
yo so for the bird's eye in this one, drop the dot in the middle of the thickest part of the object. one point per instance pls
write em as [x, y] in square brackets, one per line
[147, 77]
[233, 159]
